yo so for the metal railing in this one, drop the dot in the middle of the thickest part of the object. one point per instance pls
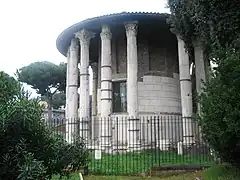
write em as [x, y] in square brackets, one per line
[123, 145]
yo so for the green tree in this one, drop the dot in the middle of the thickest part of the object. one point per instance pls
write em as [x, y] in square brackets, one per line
[58, 100]
[216, 24]
[28, 149]
[9, 87]
[220, 105]
[46, 78]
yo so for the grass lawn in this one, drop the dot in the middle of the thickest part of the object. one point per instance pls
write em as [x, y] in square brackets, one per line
[221, 172]
[217, 172]
[138, 163]
[188, 176]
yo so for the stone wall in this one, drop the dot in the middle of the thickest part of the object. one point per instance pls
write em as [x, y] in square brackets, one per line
[158, 94]
[158, 78]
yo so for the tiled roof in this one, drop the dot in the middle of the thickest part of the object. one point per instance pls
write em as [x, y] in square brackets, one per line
[64, 38]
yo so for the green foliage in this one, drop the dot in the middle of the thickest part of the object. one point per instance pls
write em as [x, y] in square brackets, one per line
[31, 169]
[216, 24]
[220, 105]
[222, 172]
[28, 149]
[213, 22]
[71, 156]
[9, 87]
[44, 77]
[58, 100]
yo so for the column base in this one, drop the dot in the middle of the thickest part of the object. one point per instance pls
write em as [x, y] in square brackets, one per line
[185, 145]
[136, 147]
[105, 144]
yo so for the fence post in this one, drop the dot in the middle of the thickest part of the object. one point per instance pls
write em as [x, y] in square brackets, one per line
[106, 134]
[133, 134]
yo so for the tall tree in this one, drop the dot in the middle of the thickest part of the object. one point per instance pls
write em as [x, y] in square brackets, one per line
[9, 87]
[46, 78]
[58, 100]
[216, 23]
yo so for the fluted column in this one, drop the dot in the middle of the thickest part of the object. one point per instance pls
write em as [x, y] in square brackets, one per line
[132, 86]
[200, 71]
[94, 124]
[84, 37]
[67, 83]
[200, 67]
[94, 88]
[106, 87]
[72, 95]
[186, 93]
[106, 72]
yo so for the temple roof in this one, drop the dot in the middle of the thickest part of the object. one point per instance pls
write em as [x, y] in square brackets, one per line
[94, 24]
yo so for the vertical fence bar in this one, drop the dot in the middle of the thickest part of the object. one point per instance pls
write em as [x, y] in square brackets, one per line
[159, 136]
[126, 154]
[171, 142]
[155, 140]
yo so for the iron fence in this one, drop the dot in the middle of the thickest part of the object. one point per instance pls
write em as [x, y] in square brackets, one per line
[122, 145]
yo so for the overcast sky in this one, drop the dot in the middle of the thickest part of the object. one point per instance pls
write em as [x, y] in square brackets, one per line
[29, 28]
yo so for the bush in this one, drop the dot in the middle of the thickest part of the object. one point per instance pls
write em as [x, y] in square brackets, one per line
[71, 157]
[31, 168]
[28, 150]
[220, 105]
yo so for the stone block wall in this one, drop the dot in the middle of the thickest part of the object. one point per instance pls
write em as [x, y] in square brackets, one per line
[158, 81]
[158, 94]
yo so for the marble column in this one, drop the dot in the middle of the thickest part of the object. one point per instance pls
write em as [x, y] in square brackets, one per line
[186, 93]
[84, 37]
[200, 66]
[67, 83]
[106, 88]
[94, 88]
[132, 86]
[72, 95]
[200, 71]
[94, 99]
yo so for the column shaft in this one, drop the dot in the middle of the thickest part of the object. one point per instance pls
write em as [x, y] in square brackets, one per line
[132, 86]
[67, 83]
[72, 97]
[84, 37]
[94, 89]
[186, 92]
[106, 88]
[200, 71]
[200, 66]
[94, 100]
[132, 69]
[106, 72]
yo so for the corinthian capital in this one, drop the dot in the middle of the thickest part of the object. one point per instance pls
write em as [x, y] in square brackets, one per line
[106, 32]
[74, 44]
[84, 36]
[131, 28]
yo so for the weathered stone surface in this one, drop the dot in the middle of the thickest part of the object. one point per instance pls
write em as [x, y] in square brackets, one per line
[196, 149]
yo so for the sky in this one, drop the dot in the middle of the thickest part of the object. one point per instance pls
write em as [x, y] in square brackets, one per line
[29, 28]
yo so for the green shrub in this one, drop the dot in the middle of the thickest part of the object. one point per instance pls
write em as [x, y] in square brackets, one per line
[220, 105]
[28, 149]
[71, 157]
[31, 168]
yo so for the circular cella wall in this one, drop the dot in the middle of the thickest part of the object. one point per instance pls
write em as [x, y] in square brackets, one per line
[158, 86]
[157, 54]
